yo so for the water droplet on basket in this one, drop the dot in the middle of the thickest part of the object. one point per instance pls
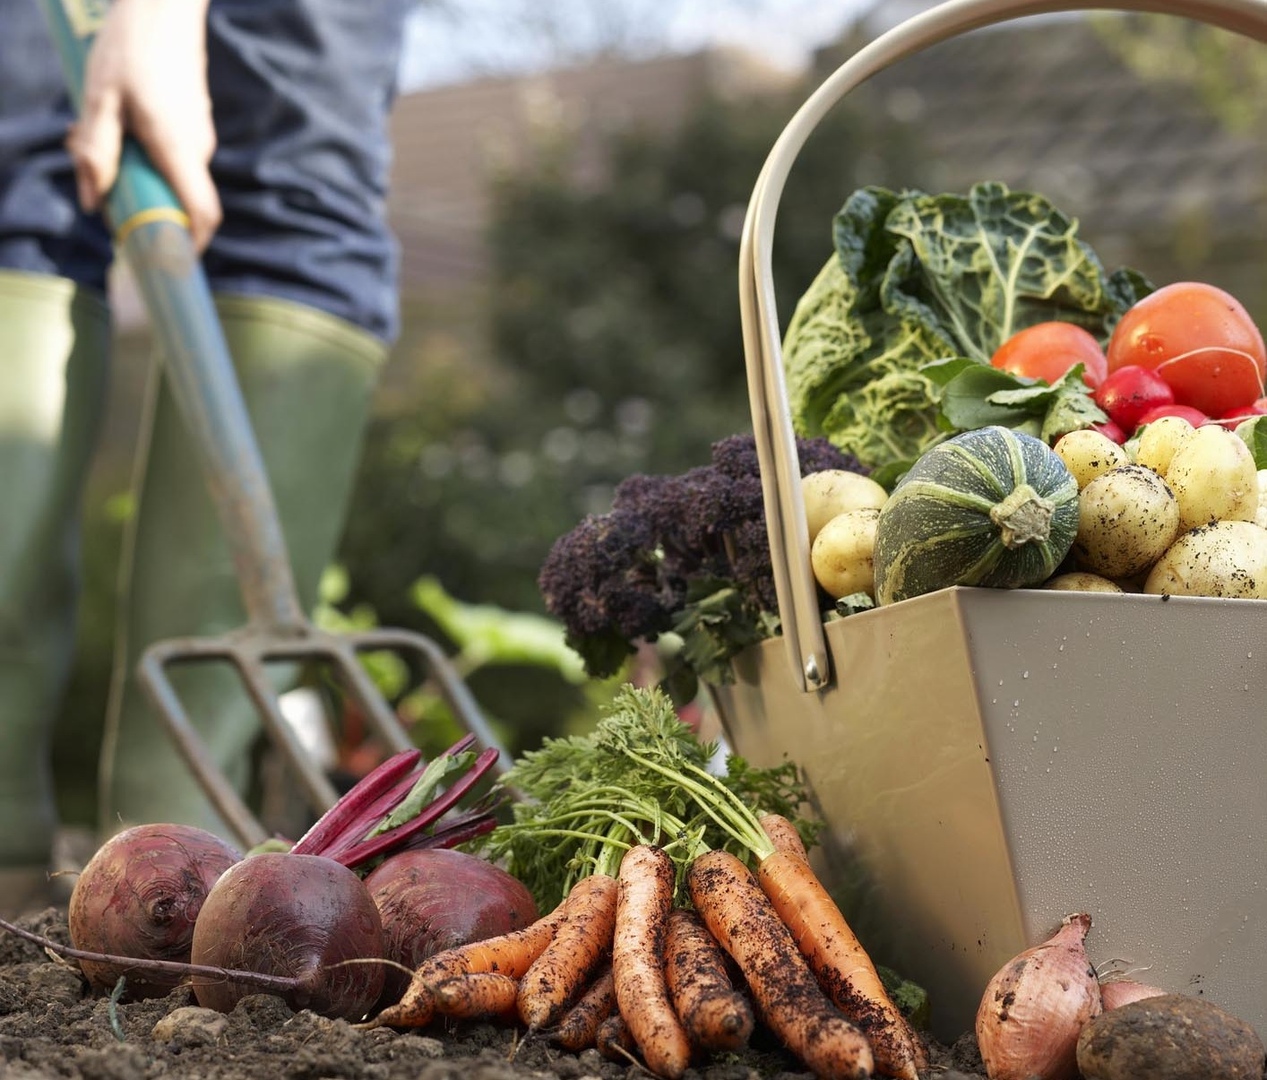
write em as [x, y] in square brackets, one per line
[1016, 704]
[1025, 675]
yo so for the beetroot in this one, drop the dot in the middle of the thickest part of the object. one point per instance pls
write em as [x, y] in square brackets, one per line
[297, 916]
[438, 898]
[139, 897]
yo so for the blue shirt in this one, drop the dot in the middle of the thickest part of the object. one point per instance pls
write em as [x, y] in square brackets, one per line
[301, 92]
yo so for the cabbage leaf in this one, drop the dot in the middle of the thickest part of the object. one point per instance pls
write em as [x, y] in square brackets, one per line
[918, 278]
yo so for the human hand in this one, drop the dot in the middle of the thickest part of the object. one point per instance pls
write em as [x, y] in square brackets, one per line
[146, 75]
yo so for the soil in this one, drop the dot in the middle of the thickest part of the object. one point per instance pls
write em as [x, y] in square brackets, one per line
[53, 1026]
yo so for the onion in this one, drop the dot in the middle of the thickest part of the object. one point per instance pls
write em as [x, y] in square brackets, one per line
[1035, 1006]
[1122, 991]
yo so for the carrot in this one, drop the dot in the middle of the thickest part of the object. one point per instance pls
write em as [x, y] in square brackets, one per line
[716, 1015]
[582, 941]
[577, 1029]
[840, 963]
[789, 999]
[476, 995]
[783, 834]
[642, 910]
[614, 1041]
[509, 954]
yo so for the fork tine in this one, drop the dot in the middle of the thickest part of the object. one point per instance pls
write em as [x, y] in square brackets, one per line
[318, 791]
[152, 673]
[452, 688]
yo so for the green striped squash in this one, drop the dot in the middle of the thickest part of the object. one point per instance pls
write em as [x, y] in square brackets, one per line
[992, 507]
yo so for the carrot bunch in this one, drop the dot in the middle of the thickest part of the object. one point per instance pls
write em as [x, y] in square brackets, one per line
[679, 915]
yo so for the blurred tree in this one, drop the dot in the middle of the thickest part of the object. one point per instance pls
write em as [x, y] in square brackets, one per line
[1228, 71]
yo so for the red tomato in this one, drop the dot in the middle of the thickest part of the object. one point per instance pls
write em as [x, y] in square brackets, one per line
[1200, 340]
[1129, 392]
[1195, 417]
[1047, 350]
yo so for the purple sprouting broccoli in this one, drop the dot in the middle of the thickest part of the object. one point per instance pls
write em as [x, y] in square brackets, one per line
[684, 553]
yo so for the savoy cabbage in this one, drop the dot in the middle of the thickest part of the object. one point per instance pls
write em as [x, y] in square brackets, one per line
[918, 278]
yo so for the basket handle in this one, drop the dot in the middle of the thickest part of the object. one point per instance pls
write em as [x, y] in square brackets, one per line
[767, 391]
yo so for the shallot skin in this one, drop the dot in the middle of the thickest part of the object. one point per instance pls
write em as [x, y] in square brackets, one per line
[1117, 992]
[1035, 1006]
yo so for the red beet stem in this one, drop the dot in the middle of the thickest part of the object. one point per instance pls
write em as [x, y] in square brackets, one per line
[377, 845]
[349, 809]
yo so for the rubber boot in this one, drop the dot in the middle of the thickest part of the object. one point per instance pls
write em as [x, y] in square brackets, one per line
[54, 355]
[308, 379]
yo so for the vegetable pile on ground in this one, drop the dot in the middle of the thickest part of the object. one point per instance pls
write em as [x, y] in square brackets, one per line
[1047, 1015]
[682, 911]
[319, 922]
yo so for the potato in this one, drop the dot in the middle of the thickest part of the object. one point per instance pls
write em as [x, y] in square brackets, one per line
[1127, 518]
[1159, 441]
[833, 491]
[843, 553]
[1081, 581]
[1261, 517]
[1224, 558]
[1172, 1037]
[1212, 475]
[1088, 454]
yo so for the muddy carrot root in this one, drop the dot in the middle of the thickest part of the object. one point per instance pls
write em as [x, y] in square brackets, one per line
[509, 954]
[476, 995]
[614, 1041]
[840, 963]
[582, 941]
[578, 1027]
[787, 996]
[643, 904]
[716, 1015]
[783, 835]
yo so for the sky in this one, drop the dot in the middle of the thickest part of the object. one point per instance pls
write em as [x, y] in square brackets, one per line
[438, 51]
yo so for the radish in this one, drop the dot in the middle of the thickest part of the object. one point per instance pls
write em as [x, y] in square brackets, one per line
[436, 899]
[1130, 392]
[139, 896]
[298, 916]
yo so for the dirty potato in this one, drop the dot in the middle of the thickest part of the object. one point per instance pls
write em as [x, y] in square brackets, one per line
[1081, 581]
[1088, 454]
[843, 554]
[834, 491]
[1224, 558]
[1127, 518]
[1172, 1037]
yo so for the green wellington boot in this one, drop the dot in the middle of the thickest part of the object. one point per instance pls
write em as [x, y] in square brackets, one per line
[54, 353]
[308, 379]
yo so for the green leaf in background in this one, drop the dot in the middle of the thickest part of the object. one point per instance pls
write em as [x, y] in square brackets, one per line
[1254, 434]
[487, 634]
